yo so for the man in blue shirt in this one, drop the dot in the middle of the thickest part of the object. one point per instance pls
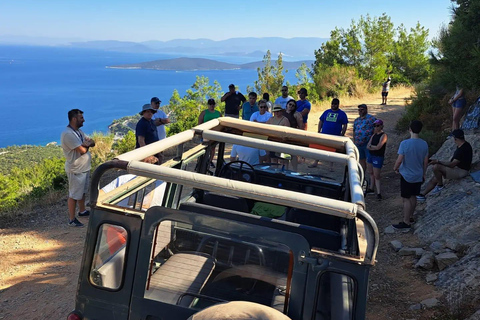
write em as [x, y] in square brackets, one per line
[303, 106]
[411, 164]
[333, 121]
[250, 107]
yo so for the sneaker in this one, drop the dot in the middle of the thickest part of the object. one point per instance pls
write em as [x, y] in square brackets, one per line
[212, 165]
[75, 223]
[402, 226]
[379, 196]
[421, 198]
[437, 189]
[85, 213]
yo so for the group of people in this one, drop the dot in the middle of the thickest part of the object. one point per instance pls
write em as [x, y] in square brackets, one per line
[368, 136]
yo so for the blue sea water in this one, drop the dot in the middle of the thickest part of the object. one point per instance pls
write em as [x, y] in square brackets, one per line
[38, 85]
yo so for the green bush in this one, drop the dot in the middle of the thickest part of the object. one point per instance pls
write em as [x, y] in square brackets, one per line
[127, 143]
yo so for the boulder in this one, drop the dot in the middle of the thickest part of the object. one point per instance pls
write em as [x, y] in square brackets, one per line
[427, 261]
[445, 259]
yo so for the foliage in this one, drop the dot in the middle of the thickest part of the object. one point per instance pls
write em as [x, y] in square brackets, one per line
[304, 80]
[127, 143]
[26, 156]
[102, 150]
[270, 77]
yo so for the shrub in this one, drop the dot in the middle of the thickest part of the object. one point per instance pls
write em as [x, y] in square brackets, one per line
[127, 143]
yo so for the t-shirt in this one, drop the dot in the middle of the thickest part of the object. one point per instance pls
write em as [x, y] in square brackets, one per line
[363, 129]
[283, 101]
[147, 129]
[464, 154]
[261, 117]
[207, 116]
[414, 152]
[161, 131]
[233, 101]
[248, 110]
[386, 86]
[333, 121]
[247, 154]
[75, 161]
[301, 105]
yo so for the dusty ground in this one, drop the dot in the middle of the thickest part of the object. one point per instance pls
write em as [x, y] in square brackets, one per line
[40, 255]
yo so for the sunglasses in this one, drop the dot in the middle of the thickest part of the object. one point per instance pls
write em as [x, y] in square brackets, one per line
[262, 107]
[377, 125]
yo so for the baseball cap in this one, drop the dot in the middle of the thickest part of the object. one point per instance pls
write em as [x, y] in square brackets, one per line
[303, 90]
[155, 99]
[458, 133]
[379, 122]
[363, 105]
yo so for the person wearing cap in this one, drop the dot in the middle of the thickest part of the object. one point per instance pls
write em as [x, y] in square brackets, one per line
[332, 121]
[362, 131]
[284, 98]
[411, 165]
[385, 89]
[78, 162]
[146, 130]
[233, 101]
[376, 156]
[304, 106]
[278, 119]
[160, 118]
[262, 115]
[210, 113]
[250, 106]
[457, 168]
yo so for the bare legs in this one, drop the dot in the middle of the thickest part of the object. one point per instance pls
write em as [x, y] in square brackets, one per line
[72, 204]
[457, 115]
[375, 175]
[439, 172]
[409, 205]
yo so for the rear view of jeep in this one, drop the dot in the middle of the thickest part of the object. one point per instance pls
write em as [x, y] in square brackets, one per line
[171, 241]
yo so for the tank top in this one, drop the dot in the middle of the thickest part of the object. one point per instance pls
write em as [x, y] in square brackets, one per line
[291, 118]
[375, 141]
[211, 115]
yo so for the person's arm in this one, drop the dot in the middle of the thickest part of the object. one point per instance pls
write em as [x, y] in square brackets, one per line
[320, 125]
[233, 159]
[425, 165]
[201, 116]
[305, 111]
[398, 162]
[141, 141]
[450, 164]
[225, 96]
[369, 144]
[344, 129]
[299, 118]
[380, 144]
[285, 122]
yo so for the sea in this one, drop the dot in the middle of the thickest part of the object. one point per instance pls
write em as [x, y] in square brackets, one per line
[38, 85]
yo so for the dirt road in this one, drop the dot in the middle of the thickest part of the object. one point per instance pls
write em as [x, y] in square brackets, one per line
[40, 255]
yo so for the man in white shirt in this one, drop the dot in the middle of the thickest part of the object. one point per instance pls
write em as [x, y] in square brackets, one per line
[249, 155]
[282, 101]
[75, 145]
[160, 119]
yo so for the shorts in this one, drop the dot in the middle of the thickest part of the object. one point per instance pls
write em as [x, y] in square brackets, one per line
[363, 152]
[460, 103]
[376, 161]
[408, 190]
[384, 94]
[78, 184]
[231, 115]
[455, 173]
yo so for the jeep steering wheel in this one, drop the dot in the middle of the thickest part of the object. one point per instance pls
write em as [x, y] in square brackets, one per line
[238, 173]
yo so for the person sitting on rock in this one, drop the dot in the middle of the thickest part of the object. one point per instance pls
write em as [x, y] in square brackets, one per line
[457, 168]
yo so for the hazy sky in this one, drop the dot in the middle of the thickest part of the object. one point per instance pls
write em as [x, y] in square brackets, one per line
[165, 20]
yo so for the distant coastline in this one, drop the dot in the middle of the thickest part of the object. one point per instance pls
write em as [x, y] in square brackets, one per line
[200, 64]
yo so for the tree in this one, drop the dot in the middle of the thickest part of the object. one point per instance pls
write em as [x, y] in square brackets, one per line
[304, 80]
[270, 77]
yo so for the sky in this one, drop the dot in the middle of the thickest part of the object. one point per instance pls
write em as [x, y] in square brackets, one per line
[144, 20]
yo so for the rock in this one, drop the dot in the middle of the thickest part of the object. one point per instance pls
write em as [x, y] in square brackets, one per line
[437, 247]
[415, 307]
[475, 316]
[430, 303]
[389, 230]
[411, 252]
[426, 261]
[431, 277]
[396, 245]
[445, 259]
[454, 245]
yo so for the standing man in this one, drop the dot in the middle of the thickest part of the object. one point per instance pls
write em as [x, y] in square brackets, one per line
[160, 119]
[75, 145]
[233, 102]
[412, 164]
[284, 98]
[146, 131]
[250, 107]
[333, 121]
[362, 131]
[303, 106]
[385, 89]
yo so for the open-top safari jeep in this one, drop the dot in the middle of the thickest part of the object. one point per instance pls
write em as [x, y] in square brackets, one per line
[166, 241]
